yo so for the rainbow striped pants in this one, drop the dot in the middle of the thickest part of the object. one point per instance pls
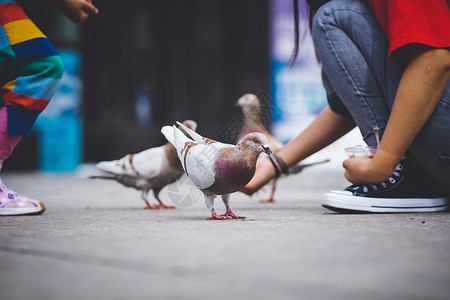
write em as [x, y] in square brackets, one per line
[30, 68]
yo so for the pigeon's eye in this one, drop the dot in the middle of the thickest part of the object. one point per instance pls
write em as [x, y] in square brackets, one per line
[255, 140]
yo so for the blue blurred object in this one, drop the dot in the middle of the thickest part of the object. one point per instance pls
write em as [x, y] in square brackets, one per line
[59, 126]
[297, 92]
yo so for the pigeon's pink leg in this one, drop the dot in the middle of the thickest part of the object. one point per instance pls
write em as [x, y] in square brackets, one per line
[209, 201]
[149, 206]
[215, 216]
[272, 194]
[144, 197]
[161, 204]
[230, 215]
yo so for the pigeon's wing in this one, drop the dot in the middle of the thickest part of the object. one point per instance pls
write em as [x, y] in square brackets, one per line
[127, 180]
[198, 161]
[197, 137]
[148, 163]
[151, 163]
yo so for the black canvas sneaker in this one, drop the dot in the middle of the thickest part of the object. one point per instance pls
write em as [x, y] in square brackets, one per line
[409, 189]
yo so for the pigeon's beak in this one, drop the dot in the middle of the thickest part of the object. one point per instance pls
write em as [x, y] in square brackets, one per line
[267, 149]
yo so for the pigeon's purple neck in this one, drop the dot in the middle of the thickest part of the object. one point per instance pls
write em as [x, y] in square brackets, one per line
[231, 175]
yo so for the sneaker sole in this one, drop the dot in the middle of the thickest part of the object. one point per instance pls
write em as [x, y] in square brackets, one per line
[23, 211]
[345, 202]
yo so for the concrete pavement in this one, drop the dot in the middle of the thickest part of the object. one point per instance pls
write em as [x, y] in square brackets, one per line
[95, 241]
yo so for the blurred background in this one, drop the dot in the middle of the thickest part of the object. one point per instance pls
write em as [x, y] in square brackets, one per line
[142, 64]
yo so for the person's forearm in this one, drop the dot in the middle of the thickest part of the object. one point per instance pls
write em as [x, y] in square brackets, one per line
[325, 129]
[420, 89]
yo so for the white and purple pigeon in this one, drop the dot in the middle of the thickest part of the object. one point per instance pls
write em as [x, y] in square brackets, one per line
[217, 168]
[151, 169]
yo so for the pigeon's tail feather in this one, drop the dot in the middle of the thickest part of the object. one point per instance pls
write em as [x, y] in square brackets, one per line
[299, 167]
[180, 138]
[296, 169]
[113, 167]
[168, 132]
[105, 176]
[191, 133]
[175, 136]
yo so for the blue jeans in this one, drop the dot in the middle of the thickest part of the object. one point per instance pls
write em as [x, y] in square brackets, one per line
[361, 82]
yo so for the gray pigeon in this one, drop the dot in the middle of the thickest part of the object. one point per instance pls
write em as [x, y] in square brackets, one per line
[217, 168]
[151, 169]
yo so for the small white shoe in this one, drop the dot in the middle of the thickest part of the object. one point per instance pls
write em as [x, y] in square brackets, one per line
[14, 204]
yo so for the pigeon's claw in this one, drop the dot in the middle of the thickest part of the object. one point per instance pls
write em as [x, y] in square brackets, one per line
[270, 200]
[215, 216]
[161, 204]
[149, 206]
[230, 215]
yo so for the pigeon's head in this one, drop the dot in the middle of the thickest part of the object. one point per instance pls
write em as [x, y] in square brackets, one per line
[256, 142]
[190, 124]
[248, 102]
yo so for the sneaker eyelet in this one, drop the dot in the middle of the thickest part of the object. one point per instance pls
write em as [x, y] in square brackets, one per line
[365, 189]
[392, 180]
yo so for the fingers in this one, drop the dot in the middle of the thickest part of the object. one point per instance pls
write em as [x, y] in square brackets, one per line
[353, 170]
[76, 10]
[347, 175]
[89, 8]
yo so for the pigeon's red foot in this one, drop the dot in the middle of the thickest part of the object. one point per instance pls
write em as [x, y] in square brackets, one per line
[215, 216]
[149, 206]
[270, 200]
[230, 215]
[161, 204]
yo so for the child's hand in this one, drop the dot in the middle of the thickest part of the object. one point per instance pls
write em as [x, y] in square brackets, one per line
[76, 10]
[264, 173]
[360, 170]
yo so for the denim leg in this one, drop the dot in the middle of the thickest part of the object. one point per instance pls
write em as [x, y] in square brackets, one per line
[354, 54]
[432, 145]
[353, 51]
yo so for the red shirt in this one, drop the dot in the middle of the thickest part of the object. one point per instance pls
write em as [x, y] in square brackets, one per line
[412, 22]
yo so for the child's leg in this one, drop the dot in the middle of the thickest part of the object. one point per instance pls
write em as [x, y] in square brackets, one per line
[353, 51]
[354, 55]
[30, 70]
[7, 141]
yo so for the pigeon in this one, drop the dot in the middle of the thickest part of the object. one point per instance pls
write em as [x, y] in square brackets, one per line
[251, 109]
[151, 169]
[217, 168]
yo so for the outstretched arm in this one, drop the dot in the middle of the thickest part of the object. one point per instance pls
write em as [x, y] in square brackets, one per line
[324, 130]
[421, 87]
[76, 10]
